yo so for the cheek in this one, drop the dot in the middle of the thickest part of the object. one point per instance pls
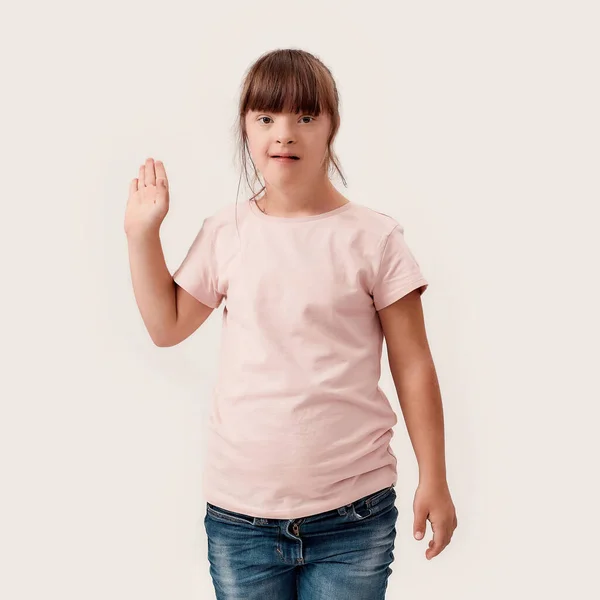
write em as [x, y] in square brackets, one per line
[255, 154]
[258, 150]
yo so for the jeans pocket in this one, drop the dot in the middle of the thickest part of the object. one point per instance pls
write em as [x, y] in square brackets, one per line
[379, 496]
[374, 503]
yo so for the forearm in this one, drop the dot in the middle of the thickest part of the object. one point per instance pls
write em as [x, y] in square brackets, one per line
[153, 286]
[421, 404]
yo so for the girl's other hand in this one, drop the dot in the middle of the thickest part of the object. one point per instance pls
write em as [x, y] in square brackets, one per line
[148, 201]
[432, 501]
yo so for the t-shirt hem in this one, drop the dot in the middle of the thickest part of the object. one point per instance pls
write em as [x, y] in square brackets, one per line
[261, 512]
[204, 298]
[397, 293]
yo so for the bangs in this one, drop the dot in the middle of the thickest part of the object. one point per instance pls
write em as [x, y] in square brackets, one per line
[286, 81]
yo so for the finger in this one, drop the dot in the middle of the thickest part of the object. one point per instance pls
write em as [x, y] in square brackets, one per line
[150, 174]
[133, 187]
[161, 173]
[419, 524]
[437, 544]
[141, 177]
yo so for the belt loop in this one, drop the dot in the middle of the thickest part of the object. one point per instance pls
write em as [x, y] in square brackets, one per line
[344, 509]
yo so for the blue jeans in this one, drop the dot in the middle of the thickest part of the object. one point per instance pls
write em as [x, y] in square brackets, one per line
[340, 554]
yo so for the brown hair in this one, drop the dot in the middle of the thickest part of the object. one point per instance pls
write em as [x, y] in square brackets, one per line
[292, 80]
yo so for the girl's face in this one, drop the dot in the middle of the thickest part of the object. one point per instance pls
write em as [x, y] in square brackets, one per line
[302, 135]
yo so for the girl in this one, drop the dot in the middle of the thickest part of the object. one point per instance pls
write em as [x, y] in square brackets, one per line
[300, 477]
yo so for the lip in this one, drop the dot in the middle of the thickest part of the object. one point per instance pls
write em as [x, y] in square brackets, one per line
[284, 159]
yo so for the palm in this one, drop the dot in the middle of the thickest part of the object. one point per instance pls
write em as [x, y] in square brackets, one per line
[148, 201]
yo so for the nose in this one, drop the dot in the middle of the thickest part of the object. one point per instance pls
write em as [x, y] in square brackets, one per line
[285, 138]
[284, 132]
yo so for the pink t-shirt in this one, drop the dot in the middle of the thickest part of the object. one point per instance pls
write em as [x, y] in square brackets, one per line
[298, 423]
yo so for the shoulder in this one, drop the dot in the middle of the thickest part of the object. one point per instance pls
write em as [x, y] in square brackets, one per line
[375, 224]
[225, 218]
[227, 213]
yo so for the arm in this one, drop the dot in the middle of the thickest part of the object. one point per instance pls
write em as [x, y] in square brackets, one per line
[418, 390]
[416, 382]
[170, 314]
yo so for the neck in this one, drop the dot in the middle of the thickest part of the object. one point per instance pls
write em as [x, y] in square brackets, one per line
[304, 201]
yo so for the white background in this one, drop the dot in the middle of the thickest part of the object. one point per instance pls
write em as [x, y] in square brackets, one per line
[474, 124]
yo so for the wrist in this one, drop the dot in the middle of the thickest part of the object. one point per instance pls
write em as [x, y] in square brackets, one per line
[433, 478]
[142, 235]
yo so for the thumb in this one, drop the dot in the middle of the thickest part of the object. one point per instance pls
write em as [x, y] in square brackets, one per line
[419, 524]
[162, 186]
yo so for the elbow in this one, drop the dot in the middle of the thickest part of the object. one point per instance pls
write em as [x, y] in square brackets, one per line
[162, 341]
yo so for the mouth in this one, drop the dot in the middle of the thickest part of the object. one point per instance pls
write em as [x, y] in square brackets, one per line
[285, 157]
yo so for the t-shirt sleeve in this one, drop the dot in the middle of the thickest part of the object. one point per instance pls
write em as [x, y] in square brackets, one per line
[399, 272]
[198, 273]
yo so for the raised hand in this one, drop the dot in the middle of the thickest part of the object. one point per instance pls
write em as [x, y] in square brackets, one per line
[148, 201]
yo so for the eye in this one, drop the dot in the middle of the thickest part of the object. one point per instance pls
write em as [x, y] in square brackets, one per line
[304, 117]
